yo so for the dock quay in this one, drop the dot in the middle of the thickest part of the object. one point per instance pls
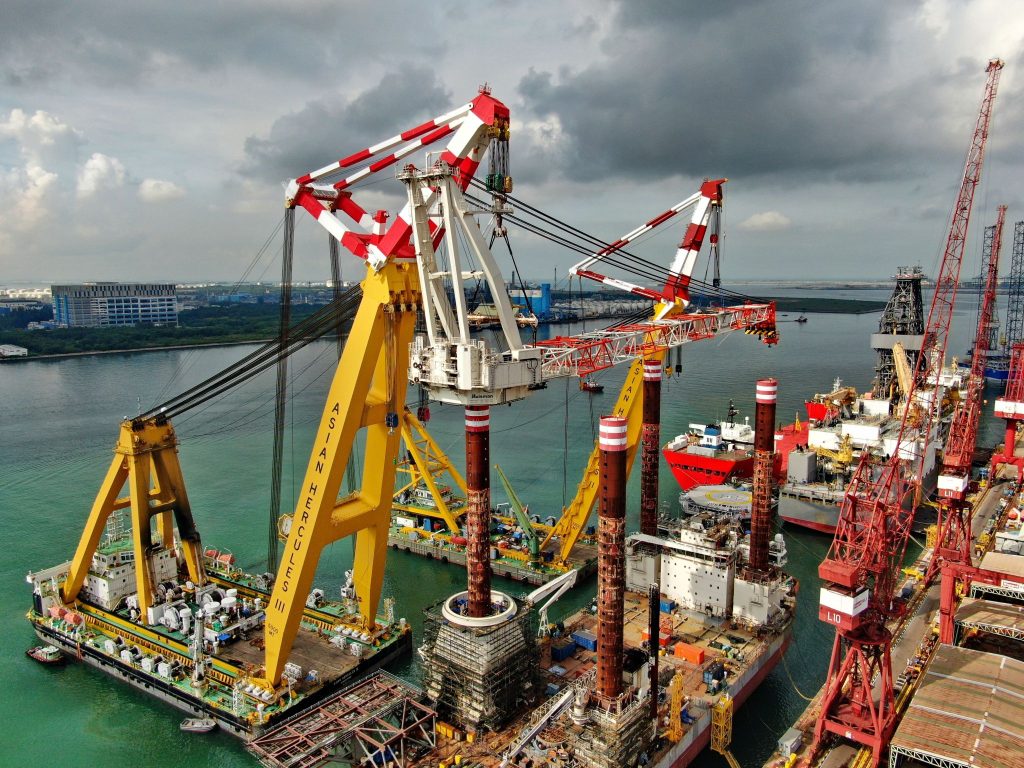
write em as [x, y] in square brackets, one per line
[922, 659]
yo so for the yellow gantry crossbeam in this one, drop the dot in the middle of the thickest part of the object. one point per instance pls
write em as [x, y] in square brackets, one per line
[368, 386]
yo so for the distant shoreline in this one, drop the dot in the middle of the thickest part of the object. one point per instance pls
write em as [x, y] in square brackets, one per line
[784, 305]
[64, 355]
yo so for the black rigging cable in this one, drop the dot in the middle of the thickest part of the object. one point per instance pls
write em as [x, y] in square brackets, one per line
[590, 244]
[281, 392]
[318, 324]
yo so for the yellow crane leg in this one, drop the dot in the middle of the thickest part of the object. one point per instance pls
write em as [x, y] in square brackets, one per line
[171, 484]
[425, 461]
[106, 499]
[142, 532]
[574, 517]
[369, 383]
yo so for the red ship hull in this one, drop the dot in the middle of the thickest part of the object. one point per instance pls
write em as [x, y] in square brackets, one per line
[691, 470]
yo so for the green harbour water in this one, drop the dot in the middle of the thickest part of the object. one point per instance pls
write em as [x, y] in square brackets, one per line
[59, 420]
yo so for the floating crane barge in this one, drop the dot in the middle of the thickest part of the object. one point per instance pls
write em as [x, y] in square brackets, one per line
[199, 643]
[275, 661]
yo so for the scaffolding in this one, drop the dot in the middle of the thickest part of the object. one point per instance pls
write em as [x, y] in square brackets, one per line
[377, 721]
[611, 737]
[479, 677]
[721, 729]
[902, 317]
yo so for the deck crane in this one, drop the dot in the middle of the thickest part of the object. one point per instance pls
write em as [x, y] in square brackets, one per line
[953, 544]
[859, 572]
[1010, 408]
[522, 516]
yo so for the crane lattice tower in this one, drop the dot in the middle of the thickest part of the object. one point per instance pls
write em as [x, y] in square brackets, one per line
[1015, 290]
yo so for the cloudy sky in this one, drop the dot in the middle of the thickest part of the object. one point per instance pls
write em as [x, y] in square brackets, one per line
[151, 141]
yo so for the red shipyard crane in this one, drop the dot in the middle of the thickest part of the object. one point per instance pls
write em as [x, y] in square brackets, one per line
[953, 544]
[859, 572]
[1010, 408]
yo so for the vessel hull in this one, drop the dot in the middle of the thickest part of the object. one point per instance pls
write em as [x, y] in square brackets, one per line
[691, 471]
[153, 685]
[699, 734]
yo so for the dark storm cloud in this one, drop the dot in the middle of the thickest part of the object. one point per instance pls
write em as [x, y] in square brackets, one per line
[125, 42]
[792, 88]
[329, 128]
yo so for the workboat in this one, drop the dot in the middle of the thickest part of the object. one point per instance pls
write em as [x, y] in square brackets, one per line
[722, 452]
[46, 654]
[589, 385]
[198, 724]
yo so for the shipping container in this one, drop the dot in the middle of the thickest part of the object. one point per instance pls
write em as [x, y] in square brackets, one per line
[562, 649]
[690, 653]
[663, 638]
[585, 639]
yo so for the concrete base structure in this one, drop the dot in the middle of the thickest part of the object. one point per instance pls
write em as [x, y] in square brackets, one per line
[478, 675]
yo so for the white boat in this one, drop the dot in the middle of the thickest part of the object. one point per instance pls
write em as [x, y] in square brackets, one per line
[198, 724]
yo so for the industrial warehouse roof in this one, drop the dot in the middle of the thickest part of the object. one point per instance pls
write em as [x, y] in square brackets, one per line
[989, 616]
[968, 711]
[1012, 565]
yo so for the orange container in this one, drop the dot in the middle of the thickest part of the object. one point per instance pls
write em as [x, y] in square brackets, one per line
[690, 653]
[663, 638]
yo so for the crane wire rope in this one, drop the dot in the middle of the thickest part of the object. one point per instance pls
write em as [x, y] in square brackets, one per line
[302, 333]
[187, 361]
[624, 259]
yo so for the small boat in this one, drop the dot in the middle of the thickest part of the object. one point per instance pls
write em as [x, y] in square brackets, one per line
[801, 319]
[46, 654]
[198, 724]
[588, 385]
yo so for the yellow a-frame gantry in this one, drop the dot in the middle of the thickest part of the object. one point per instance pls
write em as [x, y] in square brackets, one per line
[368, 387]
[146, 458]
[428, 462]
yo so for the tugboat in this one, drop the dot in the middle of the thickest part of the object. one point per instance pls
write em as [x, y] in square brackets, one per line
[46, 654]
[591, 386]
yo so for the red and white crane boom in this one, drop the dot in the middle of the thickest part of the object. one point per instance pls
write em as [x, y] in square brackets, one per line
[859, 573]
[953, 543]
[707, 207]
